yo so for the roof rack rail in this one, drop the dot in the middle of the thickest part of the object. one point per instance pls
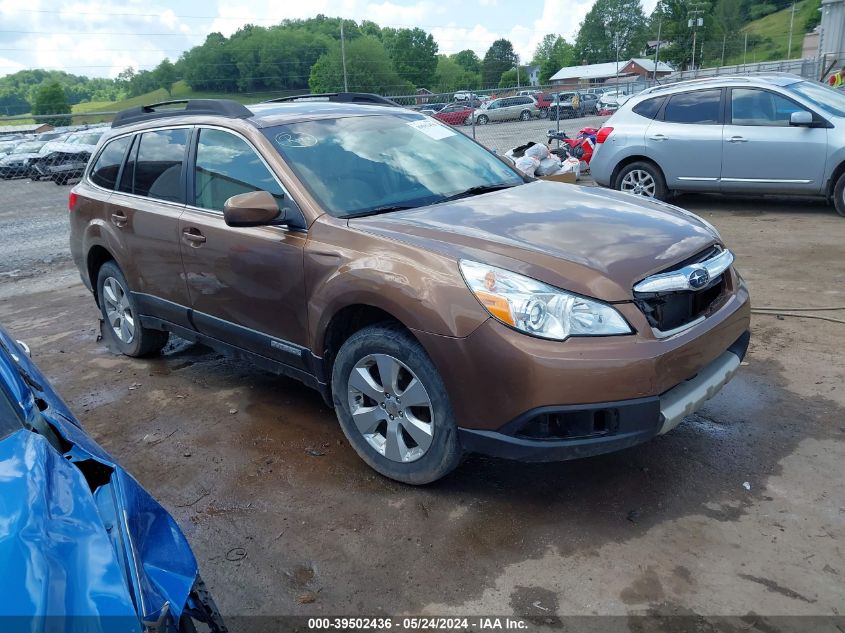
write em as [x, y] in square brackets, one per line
[340, 97]
[218, 107]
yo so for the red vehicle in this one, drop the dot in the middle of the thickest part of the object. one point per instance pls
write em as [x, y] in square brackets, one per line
[544, 101]
[455, 114]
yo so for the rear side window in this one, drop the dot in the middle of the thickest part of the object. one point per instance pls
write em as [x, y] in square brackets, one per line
[227, 166]
[104, 172]
[700, 106]
[158, 165]
[650, 107]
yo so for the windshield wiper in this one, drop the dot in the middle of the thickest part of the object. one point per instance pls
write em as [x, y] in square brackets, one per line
[475, 191]
[383, 209]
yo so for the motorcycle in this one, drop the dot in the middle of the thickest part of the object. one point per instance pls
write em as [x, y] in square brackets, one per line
[580, 147]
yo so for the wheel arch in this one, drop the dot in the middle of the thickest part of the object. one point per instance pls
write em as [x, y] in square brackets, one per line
[94, 260]
[834, 178]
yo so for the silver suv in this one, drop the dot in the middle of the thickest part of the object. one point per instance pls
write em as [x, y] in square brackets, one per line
[772, 134]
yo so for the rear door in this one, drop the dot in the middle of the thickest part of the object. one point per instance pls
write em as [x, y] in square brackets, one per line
[246, 283]
[685, 140]
[762, 152]
[145, 210]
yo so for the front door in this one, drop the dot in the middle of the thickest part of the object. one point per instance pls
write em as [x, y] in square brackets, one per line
[685, 140]
[762, 152]
[246, 284]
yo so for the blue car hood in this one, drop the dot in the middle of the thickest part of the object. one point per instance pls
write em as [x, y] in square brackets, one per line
[78, 535]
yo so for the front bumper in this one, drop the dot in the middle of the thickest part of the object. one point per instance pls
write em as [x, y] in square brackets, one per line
[622, 424]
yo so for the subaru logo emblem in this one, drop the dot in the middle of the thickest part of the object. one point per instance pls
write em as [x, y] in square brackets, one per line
[698, 278]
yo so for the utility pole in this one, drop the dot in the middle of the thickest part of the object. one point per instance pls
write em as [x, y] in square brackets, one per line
[745, 50]
[724, 41]
[616, 42]
[517, 71]
[343, 57]
[657, 48]
[791, 24]
[695, 11]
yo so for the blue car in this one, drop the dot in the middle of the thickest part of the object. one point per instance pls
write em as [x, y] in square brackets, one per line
[82, 545]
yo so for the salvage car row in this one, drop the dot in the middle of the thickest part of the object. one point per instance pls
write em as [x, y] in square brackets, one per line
[56, 156]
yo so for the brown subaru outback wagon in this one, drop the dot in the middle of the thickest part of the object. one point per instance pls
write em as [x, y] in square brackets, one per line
[442, 302]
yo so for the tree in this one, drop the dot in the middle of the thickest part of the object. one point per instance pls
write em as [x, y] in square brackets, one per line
[469, 60]
[451, 76]
[544, 49]
[554, 57]
[51, 99]
[499, 58]
[368, 69]
[165, 75]
[511, 78]
[413, 53]
[11, 103]
[611, 24]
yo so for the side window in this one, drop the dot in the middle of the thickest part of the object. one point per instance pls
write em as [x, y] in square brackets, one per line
[227, 166]
[760, 107]
[650, 107]
[158, 165]
[104, 172]
[699, 106]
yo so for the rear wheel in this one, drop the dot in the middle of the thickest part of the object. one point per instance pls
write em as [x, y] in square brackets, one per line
[482, 119]
[525, 115]
[839, 195]
[642, 179]
[392, 406]
[120, 315]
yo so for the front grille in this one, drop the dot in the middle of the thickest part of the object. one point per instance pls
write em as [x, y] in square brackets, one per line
[666, 311]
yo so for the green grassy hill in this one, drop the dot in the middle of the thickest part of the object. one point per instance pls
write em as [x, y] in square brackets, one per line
[181, 90]
[773, 29]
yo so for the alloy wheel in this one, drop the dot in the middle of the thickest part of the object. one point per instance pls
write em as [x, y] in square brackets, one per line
[639, 182]
[118, 310]
[391, 408]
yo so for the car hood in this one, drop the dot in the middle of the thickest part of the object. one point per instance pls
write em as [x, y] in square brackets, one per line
[69, 148]
[16, 158]
[85, 536]
[592, 241]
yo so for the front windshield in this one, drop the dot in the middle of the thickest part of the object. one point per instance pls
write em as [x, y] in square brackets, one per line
[29, 148]
[368, 164]
[830, 100]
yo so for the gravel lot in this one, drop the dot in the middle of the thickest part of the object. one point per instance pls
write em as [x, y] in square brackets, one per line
[247, 460]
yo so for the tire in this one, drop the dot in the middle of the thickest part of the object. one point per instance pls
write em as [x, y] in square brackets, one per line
[386, 444]
[120, 315]
[525, 115]
[643, 179]
[468, 120]
[839, 195]
[544, 113]
[482, 119]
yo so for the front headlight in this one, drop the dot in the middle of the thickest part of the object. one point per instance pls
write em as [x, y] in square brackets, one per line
[538, 309]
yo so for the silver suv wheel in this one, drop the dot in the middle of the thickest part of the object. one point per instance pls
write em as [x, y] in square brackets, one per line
[638, 182]
[391, 408]
[118, 310]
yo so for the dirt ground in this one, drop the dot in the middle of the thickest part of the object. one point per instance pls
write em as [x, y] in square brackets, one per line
[740, 510]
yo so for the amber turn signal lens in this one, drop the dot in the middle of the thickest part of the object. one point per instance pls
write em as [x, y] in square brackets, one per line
[499, 307]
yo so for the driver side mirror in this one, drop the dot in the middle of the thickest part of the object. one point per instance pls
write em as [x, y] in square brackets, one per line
[254, 208]
[802, 118]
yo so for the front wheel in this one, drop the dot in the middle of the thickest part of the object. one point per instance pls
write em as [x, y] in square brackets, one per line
[839, 195]
[122, 323]
[525, 115]
[392, 406]
[642, 179]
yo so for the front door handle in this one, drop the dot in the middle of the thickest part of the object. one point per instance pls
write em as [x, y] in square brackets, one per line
[119, 220]
[659, 137]
[193, 237]
[737, 139]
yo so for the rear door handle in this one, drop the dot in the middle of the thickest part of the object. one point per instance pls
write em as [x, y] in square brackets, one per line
[737, 139]
[193, 237]
[118, 219]
[659, 137]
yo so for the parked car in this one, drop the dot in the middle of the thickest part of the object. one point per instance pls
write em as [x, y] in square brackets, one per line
[6, 147]
[455, 114]
[16, 164]
[760, 134]
[612, 100]
[80, 537]
[439, 300]
[62, 161]
[464, 96]
[507, 109]
[562, 106]
[544, 101]
[432, 108]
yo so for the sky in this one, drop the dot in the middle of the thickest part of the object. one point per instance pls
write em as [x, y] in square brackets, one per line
[99, 38]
